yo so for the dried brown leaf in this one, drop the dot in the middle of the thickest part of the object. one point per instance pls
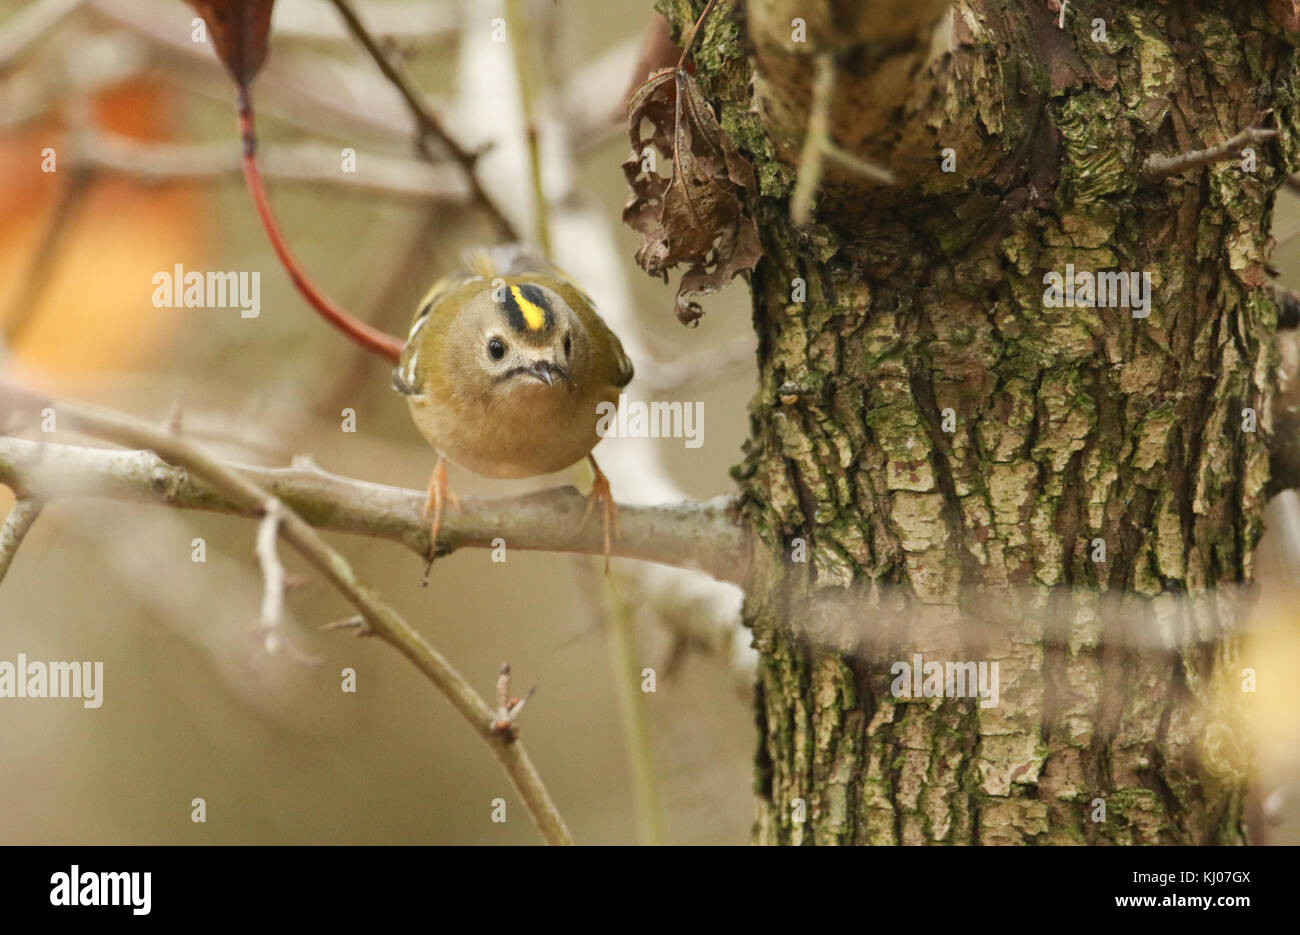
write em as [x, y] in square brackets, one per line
[239, 29]
[695, 215]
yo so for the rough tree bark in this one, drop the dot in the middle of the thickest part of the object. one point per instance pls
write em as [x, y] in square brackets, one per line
[1071, 424]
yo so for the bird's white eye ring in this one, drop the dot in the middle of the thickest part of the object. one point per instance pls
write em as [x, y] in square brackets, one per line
[496, 348]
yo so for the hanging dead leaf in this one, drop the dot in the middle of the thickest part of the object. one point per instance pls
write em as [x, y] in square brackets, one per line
[696, 214]
[239, 29]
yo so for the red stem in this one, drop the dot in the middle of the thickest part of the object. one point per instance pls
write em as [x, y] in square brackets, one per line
[695, 31]
[372, 339]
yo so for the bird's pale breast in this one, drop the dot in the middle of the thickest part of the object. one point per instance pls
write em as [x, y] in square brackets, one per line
[532, 433]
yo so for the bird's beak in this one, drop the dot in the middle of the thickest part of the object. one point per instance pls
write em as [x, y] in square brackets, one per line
[400, 384]
[545, 371]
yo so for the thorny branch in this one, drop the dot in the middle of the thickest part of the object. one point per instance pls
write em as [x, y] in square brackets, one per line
[700, 536]
[428, 122]
[247, 497]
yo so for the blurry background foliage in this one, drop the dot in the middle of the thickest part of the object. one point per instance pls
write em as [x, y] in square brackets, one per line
[193, 704]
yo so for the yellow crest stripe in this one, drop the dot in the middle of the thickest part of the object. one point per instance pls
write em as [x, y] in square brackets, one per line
[534, 314]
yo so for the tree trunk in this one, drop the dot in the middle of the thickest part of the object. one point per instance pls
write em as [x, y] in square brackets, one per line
[972, 474]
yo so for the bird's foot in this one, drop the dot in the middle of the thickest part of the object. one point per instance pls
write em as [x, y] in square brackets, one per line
[435, 502]
[600, 494]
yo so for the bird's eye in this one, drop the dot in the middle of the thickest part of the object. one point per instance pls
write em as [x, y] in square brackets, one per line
[496, 348]
[567, 345]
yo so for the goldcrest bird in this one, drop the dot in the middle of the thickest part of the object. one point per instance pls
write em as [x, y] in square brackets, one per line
[504, 368]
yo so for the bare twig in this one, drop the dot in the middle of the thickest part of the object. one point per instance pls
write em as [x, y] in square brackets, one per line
[508, 709]
[846, 160]
[699, 536]
[503, 686]
[272, 574]
[303, 163]
[818, 147]
[700, 368]
[810, 158]
[620, 638]
[357, 624]
[695, 33]
[428, 122]
[35, 279]
[1286, 509]
[1161, 167]
[388, 304]
[382, 619]
[706, 620]
[406, 24]
[289, 87]
[523, 75]
[17, 523]
[26, 28]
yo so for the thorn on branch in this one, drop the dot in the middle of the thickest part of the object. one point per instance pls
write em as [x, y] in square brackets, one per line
[249, 498]
[847, 160]
[302, 658]
[1162, 167]
[272, 573]
[508, 708]
[357, 624]
[296, 581]
[175, 418]
[274, 585]
[705, 536]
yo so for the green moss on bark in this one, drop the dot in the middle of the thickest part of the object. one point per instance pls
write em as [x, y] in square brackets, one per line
[1068, 425]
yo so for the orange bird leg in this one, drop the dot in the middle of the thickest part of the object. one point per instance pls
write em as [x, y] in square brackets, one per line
[436, 499]
[600, 493]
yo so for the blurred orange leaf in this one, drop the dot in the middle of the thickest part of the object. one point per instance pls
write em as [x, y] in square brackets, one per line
[90, 314]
